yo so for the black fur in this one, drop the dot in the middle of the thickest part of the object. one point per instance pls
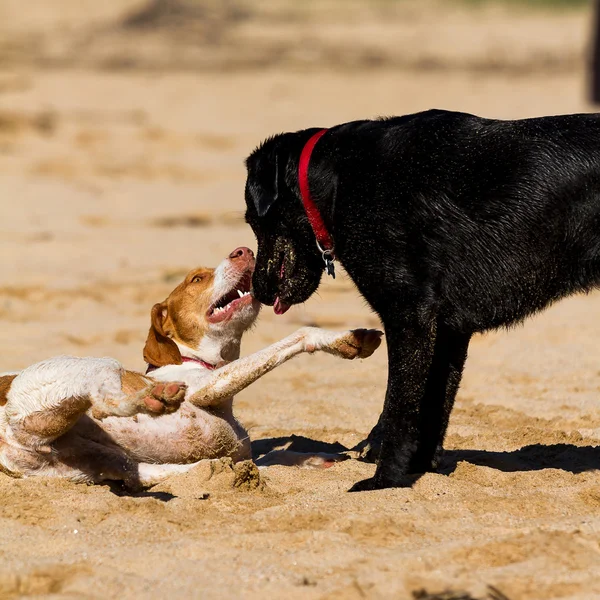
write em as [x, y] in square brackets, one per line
[449, 224]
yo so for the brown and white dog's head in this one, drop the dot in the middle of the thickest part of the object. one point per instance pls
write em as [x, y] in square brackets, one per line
[205, 316]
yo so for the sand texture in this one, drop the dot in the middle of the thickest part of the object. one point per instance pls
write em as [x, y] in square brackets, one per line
[121, 168]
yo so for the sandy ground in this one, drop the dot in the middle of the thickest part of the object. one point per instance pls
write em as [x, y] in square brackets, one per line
[115, 183]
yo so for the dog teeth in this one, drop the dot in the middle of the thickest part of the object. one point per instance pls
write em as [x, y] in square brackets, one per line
[222, 308]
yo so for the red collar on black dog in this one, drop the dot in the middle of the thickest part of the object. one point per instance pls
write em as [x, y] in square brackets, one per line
[183, 360]
[324, 239]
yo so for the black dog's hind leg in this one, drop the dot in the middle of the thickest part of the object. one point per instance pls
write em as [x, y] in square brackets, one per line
[444, 378]
[450, 353]
[410, 354]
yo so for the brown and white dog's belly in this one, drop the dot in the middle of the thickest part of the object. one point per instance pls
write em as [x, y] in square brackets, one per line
[93, 448]
[186, 436]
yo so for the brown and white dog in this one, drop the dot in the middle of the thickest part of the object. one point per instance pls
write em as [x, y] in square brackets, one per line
[90, 420]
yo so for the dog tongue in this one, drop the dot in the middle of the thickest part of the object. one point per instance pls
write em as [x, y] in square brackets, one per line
[280, 307]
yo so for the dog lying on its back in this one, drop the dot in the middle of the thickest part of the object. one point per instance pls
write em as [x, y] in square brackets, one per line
[88, 419]
[449, 225]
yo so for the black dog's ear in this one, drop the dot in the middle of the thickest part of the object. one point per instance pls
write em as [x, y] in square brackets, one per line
[263, 178]
[267, 167]
[263, 182]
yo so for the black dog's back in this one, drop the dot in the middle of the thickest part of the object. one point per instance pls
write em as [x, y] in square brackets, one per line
[489, 220]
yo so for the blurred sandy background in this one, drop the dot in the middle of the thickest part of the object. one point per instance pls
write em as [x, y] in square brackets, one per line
[123, 129]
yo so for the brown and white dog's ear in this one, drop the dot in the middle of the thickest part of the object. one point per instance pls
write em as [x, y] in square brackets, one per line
[160, 350]
[5, 382]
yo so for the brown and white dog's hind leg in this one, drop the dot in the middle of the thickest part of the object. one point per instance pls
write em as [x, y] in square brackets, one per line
[150, 474]
[45, 400]
[225, 382]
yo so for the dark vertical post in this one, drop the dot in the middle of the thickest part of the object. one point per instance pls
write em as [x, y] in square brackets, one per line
[595, 58]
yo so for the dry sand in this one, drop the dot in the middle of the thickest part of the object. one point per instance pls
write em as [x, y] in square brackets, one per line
[115, 183]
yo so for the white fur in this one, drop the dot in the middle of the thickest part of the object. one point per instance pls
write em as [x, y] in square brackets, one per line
[47, 383]
[232, 378]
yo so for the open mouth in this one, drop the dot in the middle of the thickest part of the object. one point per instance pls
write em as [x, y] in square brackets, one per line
[228, 304]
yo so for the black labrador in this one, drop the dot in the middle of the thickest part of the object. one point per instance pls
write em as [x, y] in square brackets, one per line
[449, 224]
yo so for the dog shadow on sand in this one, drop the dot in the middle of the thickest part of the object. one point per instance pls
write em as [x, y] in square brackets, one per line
[534, 457]
[295, 443]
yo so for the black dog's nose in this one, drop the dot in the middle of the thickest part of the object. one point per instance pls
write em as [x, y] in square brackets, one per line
[241, 252]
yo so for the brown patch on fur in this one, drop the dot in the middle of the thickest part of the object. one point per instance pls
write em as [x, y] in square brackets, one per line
[5, 383]
[53, 422]
[133, 383]
[179, 318]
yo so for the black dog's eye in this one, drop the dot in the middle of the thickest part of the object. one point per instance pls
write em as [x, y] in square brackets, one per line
[197, 279]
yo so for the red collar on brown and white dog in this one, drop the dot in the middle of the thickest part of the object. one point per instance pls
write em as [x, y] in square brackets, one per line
[185, 359]
[324, 239]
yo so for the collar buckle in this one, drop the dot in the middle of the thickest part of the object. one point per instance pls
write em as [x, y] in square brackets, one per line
[328, 256]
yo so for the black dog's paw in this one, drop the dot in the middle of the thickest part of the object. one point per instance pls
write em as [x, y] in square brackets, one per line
[377, 483]
[368, 450]
[366, 485]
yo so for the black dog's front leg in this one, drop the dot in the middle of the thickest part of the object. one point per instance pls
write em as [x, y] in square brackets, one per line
[410, 352]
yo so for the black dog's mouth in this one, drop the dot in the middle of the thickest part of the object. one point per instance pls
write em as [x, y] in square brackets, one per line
[285, 275]
[295, 284]
[280, 306]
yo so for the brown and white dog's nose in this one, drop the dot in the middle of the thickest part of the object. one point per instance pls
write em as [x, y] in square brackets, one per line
[241, 252]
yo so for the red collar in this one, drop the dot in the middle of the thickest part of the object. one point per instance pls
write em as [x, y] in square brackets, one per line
[324, 239]
[185, 359]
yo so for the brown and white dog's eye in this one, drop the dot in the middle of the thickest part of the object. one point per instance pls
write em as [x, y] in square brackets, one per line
[197, 279]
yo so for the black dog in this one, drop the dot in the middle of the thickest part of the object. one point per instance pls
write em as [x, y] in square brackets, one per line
[448, 224]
